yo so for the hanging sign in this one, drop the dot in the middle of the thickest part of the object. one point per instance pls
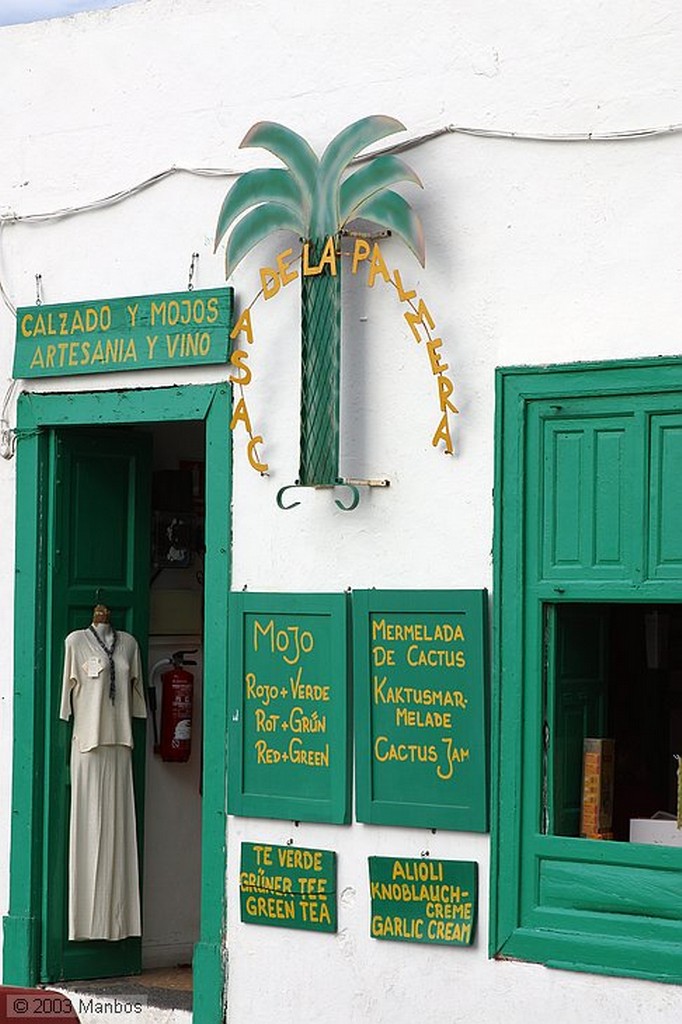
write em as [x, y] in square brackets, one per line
[288, 887]
[420, 668]
[289, 718]
[144, 332]
[423, 900]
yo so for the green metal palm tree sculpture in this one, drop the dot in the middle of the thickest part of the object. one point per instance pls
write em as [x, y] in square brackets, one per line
[310, 199]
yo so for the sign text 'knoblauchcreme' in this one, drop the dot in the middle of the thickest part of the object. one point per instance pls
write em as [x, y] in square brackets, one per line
[417, 316]
[138, 333]
[423, 900]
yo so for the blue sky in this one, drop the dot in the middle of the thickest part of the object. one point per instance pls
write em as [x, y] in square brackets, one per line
[14, 11]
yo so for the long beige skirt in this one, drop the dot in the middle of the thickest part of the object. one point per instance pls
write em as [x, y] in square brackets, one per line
[104, 890]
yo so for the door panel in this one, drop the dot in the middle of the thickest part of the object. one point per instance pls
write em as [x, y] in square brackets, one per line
[98, 551]
[588, 496]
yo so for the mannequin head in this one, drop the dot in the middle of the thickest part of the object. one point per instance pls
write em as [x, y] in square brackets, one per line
[101, 615]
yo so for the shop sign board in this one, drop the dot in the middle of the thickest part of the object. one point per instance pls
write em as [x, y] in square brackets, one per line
[289, 740]
[421, 708]
[423, 900]
[288, 887]
[143, 332]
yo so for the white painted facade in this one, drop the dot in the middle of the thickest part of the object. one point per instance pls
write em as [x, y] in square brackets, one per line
[537, 252]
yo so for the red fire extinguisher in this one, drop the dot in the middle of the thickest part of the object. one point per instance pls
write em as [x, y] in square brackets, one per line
[177, 692]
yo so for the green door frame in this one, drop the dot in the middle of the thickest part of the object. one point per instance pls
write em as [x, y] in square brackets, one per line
[37, 413]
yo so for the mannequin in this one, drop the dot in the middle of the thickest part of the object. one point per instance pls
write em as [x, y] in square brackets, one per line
[102, 688]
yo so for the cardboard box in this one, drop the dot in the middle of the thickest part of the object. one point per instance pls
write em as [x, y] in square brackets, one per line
[596, 812]
[658, 832]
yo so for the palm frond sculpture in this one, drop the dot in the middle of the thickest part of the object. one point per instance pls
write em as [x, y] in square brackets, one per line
[308, 197]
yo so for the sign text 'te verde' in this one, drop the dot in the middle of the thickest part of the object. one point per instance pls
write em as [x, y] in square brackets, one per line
[288, 887]
[142, 332]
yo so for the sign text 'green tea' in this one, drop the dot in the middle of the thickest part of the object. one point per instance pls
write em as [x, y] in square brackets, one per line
[288, 887]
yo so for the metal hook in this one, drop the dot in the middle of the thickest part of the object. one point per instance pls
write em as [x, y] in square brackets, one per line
[355, 499]
[192, 267]
[280, 494]
[39, 288]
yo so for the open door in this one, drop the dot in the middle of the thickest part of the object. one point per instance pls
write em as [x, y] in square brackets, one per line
[98, 551]
[576, 638]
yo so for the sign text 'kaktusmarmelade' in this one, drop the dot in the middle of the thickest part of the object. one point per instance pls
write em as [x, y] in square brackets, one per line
[421, 708]
[138, 333]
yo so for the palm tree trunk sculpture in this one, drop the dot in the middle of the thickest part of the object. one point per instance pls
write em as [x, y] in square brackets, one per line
[309, 198]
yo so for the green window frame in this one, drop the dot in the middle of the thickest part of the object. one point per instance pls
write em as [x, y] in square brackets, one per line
[580, 904]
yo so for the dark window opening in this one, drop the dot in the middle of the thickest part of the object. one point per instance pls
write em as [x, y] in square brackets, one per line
[613, 672]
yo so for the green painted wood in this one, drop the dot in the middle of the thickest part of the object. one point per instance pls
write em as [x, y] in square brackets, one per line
[289, 707]
[142, 332]
[619, 412]
[36, 414]
[665, 511]
[21, 947]
[210, 953]
[320, 374]
[288, 887]
[587, 500]
[99, 552]
[623, 890]
[421, 708]
[426, 901]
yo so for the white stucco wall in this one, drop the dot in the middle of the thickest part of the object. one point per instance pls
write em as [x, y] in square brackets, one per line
[536, 252]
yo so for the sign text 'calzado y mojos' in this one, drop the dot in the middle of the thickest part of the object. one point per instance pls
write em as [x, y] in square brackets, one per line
[138, 333]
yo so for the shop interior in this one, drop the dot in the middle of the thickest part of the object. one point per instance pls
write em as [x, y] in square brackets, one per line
[614, 673]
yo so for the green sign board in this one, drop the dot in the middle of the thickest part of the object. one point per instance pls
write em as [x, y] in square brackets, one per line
[144, 332]
[288, 887]
[289, 744]
[421, 691]
[423, 900]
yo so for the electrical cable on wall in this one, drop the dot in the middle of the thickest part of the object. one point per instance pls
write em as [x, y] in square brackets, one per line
[7, 434]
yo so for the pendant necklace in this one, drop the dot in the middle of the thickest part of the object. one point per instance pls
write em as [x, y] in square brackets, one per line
[109, 651]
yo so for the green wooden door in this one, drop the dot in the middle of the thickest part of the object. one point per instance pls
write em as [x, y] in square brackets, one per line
[576, 705]
[98, 551]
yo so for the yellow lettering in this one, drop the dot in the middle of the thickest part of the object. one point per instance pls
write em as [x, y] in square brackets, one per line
[241, 414]
[37, 358]
[419, 318]
[377, 266]
[270, 282]
[260, 467]
[243, 324]
[434, 356]
[239, 359]
[443, 434]
[445, 389]
[285, 275]
[402, 294]
[25, 320]
[360, 252]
